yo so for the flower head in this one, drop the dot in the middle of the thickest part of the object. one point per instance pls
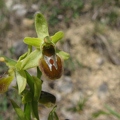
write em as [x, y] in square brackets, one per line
[46, 56]
[50, 63]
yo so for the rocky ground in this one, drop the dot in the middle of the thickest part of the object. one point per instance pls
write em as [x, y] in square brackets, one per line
[91, 77]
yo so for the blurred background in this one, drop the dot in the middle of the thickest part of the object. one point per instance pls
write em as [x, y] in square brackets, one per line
[90, 86]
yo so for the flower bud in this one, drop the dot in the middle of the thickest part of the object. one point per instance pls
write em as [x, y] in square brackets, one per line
[5, 81]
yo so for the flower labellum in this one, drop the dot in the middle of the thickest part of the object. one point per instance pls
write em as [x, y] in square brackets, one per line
[50, 63]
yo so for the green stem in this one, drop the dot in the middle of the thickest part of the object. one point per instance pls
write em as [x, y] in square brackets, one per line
[39, 73]
[29, 49]
[27, 110]
[35, 109]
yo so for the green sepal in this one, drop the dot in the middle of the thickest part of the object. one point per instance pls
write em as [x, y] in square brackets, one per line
[21, 80]
[41, 26]
[36, 42]
[63, 54]
[47, 99]
[37, 88]
[53, 114]
[57, 36]
[9, 62]
[18, 110]
[18, 64]
[30, 61]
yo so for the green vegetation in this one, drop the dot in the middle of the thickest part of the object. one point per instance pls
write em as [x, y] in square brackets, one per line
[109, 111]
[80, 106]
[47, 60]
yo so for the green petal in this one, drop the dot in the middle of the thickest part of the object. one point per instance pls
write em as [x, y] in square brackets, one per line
[57, 36]
[63, 54]
[21, 80]
[36, 42]
[41, 26]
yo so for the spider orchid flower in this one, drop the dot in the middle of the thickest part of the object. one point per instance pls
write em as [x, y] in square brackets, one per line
[46, 56]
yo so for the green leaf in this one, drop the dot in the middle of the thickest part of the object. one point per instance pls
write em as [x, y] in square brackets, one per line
[41, 26]
[37, 91]
[57, 36]
[36, 42]
[47, 99]
[39, 73]
[18, 110]
[9, 62]
[30, 81]
[37, 88]
[63, 54]
[27, 110]
[53, 114]
[21, 80]
[32, 60]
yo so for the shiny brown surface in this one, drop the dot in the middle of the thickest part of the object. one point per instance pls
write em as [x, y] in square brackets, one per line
[55, 73]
